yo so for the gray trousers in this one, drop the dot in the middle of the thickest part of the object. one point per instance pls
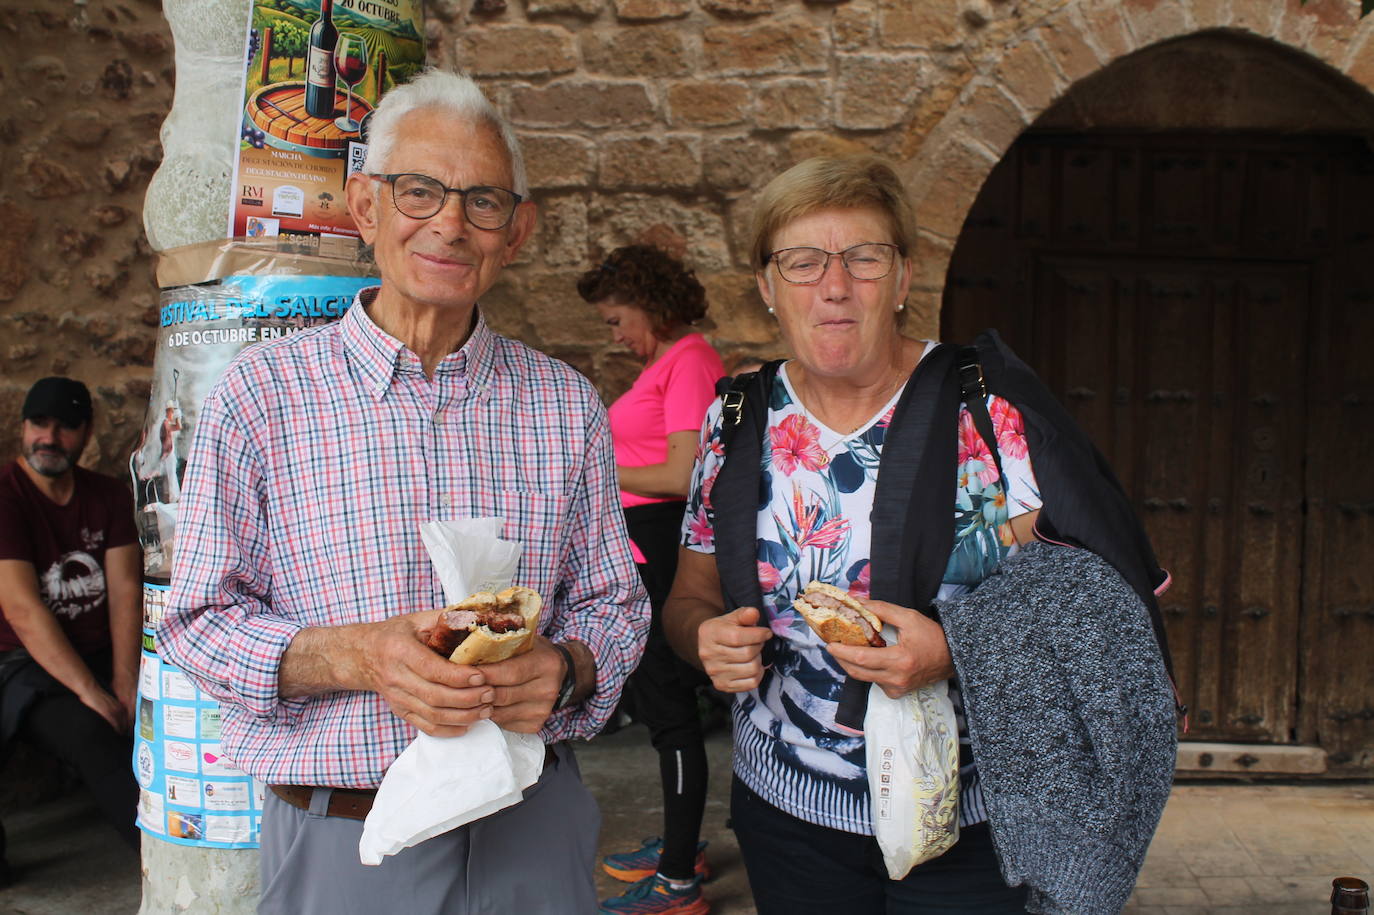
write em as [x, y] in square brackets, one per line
[535, 858]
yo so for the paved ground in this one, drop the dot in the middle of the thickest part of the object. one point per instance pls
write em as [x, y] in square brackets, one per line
[1232, 849]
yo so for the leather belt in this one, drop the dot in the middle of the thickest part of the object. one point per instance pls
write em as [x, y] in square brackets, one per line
[353, 803]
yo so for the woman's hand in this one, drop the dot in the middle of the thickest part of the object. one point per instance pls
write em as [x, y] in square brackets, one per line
[730, 646]
[920, 657]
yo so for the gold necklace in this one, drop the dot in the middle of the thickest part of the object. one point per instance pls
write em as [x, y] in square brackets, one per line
[892, 385]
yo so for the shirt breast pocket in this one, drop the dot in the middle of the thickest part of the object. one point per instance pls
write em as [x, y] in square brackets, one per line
[537, 520]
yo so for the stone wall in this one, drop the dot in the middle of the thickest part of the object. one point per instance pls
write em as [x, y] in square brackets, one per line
[86, 86]
[643, 120]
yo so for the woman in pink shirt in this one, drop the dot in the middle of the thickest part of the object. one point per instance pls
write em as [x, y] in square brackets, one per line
[650, 301]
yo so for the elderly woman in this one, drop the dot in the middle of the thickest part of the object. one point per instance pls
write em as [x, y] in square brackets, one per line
[650, 302]
[832, 247]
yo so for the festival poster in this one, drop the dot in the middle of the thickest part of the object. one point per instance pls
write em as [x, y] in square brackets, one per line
[190, 793]
[202, 328]
[314, 72]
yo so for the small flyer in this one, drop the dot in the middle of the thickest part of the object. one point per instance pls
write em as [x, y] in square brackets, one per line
[314, 71]
[190, 793]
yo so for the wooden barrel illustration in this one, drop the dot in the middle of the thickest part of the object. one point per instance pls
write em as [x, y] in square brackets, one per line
[279, 112]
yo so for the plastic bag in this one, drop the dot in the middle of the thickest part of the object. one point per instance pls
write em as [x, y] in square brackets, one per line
[913, 775]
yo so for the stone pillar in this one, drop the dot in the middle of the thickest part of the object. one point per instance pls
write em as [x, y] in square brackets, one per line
[188, 202]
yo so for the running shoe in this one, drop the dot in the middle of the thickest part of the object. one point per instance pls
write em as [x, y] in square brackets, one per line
[634, 866]
[654, 895]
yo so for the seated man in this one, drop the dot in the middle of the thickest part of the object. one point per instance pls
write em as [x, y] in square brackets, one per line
[69, 591]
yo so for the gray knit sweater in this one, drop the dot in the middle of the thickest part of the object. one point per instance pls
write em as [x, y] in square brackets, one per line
[1072, 723]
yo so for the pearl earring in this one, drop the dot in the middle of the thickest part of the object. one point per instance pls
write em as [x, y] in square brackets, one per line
[901, 305]
[770, 309]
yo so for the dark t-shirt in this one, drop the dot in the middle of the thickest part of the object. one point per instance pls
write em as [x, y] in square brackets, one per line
[66, 545]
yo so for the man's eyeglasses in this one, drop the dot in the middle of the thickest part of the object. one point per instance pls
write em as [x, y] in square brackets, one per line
[805, 266]
[420, 197]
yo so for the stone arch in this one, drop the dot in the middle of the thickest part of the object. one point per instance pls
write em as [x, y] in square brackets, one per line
[1037, 73]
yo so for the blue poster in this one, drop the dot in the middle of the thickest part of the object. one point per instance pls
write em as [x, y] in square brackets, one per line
[189, 792]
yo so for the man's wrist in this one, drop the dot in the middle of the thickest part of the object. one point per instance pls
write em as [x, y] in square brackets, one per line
[583, 668]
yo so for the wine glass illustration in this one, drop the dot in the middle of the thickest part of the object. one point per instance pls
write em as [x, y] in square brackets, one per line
[350, 62]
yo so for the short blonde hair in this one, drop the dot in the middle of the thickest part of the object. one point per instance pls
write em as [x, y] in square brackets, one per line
[832, 182]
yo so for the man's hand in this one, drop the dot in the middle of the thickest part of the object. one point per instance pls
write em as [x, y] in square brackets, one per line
[920, 657]
[526, 687]
[429, 691]
[124, 686]
[730, 646]
[107, 707]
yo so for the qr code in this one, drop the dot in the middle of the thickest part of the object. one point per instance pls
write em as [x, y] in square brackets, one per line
[357, 152]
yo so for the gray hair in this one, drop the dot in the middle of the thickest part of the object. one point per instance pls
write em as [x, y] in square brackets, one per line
[452, 92]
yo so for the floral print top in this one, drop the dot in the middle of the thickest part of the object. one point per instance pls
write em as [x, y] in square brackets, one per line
[816, 526]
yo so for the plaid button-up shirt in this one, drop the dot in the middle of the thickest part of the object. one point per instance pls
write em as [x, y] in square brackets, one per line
[316, 458]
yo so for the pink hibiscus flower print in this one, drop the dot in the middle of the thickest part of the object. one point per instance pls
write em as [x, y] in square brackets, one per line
[973, 448]
[797, 443]
[859, 587]
[1011, 430]
[807, 528]
[769, 577]
[887, 418]
[707, 485]
[700, 530]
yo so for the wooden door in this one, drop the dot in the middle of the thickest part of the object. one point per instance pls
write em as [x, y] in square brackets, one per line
[1178, 294]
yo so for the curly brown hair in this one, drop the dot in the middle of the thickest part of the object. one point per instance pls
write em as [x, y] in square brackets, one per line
[650, 279]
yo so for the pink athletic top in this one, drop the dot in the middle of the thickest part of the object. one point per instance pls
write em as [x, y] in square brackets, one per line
[669, 396]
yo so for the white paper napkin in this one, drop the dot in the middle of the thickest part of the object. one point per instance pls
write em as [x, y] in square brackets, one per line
[440, 783]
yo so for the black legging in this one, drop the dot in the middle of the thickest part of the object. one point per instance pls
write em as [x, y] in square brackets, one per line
[663, 693]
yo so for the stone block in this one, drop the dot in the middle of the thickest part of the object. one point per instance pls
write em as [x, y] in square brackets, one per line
[642, 52]
[517, 50]
[582, 103]
[1153, 21]
[698, 103]
[1211, 14]
[1068, 48]
[783, 45]
[84, 129]
[852, 25]
[739, 314]
[930, 24]
[563, 231]
[873, 93]
[652, 9]
[556, 160]
[45, 179]
[625, 218]
[736, 162]
[948, 188]
[505, 306]
[671, 161]
[988, 115]
[1028, 77]
[588, 8]
[16, 230]
[739, 8]
[792, 104]
[1106, 29]
[555, 311]
[805, 144]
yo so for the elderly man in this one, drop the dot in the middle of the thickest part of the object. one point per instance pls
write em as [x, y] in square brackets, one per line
[302, 593]
[69, 589]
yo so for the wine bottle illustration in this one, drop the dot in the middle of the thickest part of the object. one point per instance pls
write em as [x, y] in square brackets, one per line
[319, 74]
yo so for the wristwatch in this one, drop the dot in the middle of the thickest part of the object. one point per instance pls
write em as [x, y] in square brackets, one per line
[565, 691]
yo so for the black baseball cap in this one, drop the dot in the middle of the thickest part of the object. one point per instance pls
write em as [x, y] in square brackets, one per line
[64, 399]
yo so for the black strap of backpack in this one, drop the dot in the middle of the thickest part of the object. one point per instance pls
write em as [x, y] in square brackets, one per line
[974, 392]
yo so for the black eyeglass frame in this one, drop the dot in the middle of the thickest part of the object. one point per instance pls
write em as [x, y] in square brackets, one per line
[897, 250]
[462, 193]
